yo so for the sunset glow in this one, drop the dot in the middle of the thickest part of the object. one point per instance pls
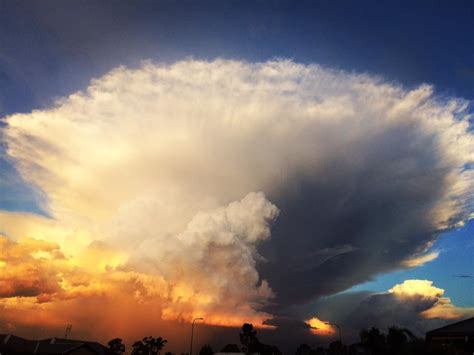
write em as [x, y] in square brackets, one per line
[319, 327]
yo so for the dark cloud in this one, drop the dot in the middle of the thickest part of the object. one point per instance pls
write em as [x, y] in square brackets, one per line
[366, 212]
[415, 304]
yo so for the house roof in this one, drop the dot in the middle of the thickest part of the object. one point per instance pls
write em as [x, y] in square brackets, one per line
[13, 344]
[97, 347]
[16, 344]
[45, 348]
[462, 328]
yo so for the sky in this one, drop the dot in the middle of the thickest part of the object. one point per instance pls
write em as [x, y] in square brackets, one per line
[271, 162]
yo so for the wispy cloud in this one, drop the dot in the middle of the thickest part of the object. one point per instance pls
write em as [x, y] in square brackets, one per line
[419, 260]
[465, 276]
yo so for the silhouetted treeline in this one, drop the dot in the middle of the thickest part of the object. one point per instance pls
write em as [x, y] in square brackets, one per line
[397, 341]
[251, 344]
[146, 346]
[206, 350]
[116, 346]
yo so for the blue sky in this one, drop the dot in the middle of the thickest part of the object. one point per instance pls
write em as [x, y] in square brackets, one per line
[452, 270]
[50, 49]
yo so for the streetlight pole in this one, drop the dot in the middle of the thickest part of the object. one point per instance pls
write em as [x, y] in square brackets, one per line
[192, 333]
[338, 328]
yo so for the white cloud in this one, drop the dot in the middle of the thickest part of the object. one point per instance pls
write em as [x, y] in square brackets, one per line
[410, 288]
[167, 161]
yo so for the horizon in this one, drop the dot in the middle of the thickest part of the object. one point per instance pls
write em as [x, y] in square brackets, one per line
[395, 339]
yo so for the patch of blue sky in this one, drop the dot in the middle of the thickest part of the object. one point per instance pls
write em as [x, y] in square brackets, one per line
[452, 271]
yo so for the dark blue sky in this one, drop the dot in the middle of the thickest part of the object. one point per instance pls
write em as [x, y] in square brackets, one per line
[52, 48]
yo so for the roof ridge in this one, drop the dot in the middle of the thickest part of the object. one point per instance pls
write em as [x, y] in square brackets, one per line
[452, 324]
[7, 338]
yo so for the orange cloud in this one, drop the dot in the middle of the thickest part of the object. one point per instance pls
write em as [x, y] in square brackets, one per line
[97, 289]
[207, 270]
[29, 269]
[444, 309]
[319, 327]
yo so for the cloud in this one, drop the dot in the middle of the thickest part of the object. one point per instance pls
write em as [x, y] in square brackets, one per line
[262, 185]
[419, 260]
[415, 304]
[208, 269]
[214, 261]
[27, 269]
[320, 327]
[444, 309]
[411, 288]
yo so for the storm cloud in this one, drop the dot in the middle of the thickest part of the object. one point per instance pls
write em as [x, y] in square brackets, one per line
[417, 305]
[267, 184]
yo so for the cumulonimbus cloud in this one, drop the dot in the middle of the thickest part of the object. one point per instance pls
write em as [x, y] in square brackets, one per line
[414, 304]
[184, 168]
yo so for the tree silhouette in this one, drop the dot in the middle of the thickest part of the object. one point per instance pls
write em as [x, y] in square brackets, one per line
[396, 340]
[251, 344]
[116, 346]
[303, 349]
[402, 341]
[264, 349]
[206, 350]
[337, 348]
[248, 338]
[373, 341]
[148, 346]
[230, 348]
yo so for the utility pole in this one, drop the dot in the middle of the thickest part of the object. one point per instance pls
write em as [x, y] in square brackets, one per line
[68, 331]
[338, 328]
[192, 334]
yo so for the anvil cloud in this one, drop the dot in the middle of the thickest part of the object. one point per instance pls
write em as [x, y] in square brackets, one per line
[233, 190]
